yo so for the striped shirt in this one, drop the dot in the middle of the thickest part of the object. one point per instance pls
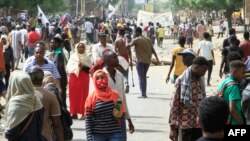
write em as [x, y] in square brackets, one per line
[101, 120]
[47, 66]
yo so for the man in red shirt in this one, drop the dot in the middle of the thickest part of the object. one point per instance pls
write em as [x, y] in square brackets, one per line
[245, 46]
[33, 37]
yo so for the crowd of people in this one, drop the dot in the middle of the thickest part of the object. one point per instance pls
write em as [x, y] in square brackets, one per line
[52, 62]
[189, 101]
[56, 60]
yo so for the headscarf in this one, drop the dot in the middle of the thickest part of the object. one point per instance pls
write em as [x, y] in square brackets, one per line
[48, 80]
[7, 42]
[108, 95]
[76, 58]
[20, 99]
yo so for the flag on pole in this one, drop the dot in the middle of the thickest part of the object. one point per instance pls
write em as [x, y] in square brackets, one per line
[111, 8]
[42, 16]
[111, 11]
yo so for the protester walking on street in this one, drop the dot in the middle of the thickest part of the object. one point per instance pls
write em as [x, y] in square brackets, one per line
[16, 44]
[189, 92]
[58, 58]
[78, 68]
[160, 35]
[98, 48]
[120, 48]
[177, 61]
[143, 50]
[8, 59]
[33, 37]
[233, 47]
[116, 82]
[40, 61]
[103, 121]
[231, 92]
[201, 28]
[190, 36]
[24, 110]
[89, 27]
[52, 115]
[205, 49]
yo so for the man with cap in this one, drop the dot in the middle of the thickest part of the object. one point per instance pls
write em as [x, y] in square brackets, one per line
[188, 56]
[98, 48]
[16, 44]
[233, 47]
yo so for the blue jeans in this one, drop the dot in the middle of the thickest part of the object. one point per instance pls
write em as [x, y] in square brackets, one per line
[117, 136]
[124, 129]
[142, 69]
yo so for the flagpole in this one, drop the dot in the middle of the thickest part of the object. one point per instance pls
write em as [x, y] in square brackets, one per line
[77, 7]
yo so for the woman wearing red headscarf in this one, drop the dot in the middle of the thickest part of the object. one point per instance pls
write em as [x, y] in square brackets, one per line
[101, 113]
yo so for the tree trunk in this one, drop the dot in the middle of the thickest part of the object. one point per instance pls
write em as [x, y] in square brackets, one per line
[228, 15]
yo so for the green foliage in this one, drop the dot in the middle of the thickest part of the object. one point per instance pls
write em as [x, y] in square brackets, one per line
[210, 4]
[31, 5]
[131, 4]
[113, 2]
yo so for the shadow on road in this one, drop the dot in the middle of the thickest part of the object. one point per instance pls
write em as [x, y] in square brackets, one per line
[146, 131]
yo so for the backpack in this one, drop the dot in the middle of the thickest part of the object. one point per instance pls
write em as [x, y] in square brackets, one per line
[220, 93]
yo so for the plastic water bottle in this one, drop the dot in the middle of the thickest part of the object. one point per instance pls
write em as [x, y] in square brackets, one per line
[118, 107]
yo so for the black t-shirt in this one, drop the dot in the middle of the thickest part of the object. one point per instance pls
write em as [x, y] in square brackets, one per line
[225, 52]
[209, 139]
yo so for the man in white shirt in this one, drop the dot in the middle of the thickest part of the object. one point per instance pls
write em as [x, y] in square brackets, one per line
[98, 48]
[24, 32]
[205, 49]
[89, 29]
[116, 82]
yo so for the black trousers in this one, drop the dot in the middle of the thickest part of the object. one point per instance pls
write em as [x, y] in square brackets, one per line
[209, 70]
[191, 134]
[90, 37]
[7, 75]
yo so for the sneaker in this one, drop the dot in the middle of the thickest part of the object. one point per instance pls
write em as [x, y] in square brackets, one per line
[144, 96]
[126, 88]
[74, 116]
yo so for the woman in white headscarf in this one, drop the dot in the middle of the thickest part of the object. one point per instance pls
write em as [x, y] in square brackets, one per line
[24, 111]
[78, 68]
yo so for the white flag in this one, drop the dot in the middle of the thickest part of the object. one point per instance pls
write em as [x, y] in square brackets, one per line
[111, 8]
[42, 16]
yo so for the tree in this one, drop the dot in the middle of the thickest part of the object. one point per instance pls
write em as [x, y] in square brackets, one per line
[228, 5]
[49, 6]
[131, 4]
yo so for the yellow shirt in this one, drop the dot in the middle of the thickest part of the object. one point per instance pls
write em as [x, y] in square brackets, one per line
[179, 67]
[160, 32]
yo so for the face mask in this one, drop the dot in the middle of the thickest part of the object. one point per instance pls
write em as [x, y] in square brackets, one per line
[101, 83]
